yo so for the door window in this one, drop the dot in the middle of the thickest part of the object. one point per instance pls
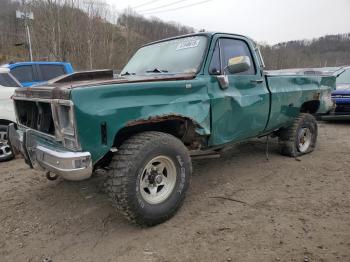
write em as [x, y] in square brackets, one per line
[215, 64]
[232, 48]
[23, 73]
[7, 80]
[51, 71]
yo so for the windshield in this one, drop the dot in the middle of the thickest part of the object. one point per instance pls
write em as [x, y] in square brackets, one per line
[7, 80]
[182, 55]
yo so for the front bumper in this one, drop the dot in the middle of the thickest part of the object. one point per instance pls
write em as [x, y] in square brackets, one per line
[42, 152]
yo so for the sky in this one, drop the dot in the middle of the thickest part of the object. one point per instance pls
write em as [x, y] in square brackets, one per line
[270, 21]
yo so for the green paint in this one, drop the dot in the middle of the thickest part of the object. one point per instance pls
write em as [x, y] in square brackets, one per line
[245, 109]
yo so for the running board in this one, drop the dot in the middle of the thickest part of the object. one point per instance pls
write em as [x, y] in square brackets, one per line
[200, 154]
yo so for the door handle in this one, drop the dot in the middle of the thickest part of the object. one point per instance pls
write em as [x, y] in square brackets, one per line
[258, 81]
[223, 81]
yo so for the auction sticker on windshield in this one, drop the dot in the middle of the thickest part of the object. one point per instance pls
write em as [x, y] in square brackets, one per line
[188, 43]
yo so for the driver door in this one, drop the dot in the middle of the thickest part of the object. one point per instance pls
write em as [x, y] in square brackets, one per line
[240, 109]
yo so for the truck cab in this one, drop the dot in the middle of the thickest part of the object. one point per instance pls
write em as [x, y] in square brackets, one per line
[33, 73]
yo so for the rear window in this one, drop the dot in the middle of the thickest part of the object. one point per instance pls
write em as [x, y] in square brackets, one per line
[51, 71]
[23, 73]
[7, 80]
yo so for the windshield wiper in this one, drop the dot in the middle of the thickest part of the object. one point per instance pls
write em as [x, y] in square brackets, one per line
[156, 70]
[127, 74]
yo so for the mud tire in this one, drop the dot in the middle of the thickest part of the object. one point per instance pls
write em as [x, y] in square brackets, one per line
[289, 138]
[126, 169]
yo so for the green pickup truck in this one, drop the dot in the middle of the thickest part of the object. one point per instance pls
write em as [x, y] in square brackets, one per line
[174, 99]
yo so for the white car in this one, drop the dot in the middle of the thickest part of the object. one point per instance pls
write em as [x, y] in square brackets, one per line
[8, 84]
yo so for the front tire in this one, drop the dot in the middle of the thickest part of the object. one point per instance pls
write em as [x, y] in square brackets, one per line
[5, 149]
[300, 138]
[149, 176]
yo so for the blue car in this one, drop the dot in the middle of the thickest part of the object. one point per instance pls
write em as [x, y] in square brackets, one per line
[341, 96]
[33, 73]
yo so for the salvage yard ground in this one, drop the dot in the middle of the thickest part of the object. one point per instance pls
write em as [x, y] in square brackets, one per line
[240, 207]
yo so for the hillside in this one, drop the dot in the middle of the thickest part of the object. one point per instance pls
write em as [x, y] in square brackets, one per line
[87, 33]
[330, 50]
[90, 35]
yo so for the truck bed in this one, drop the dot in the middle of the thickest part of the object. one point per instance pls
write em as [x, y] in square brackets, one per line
[289, 90]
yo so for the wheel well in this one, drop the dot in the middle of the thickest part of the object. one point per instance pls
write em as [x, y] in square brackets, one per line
[182, 128]
[310, 106]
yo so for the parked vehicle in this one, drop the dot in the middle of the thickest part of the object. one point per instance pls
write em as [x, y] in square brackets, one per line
[341, 96]
[8, 84]
[32, 73]
[204, 91]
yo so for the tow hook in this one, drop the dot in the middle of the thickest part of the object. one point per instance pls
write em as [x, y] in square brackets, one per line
[50, 176]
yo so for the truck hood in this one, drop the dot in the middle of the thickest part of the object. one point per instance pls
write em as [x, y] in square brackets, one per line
[60, 88]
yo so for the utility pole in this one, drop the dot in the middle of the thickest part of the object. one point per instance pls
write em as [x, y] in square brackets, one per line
[25, 16]
[29, 43]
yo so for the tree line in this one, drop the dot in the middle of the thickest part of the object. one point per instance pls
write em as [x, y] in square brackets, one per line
[326, 51]
[87, 33]
[91, 35]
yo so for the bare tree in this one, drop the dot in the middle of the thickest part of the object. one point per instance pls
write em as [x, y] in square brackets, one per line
[90, 34]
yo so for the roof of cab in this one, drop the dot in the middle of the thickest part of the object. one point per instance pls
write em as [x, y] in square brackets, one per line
[208, 34]
[33, 63]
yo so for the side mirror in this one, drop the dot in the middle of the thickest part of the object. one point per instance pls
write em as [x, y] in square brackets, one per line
[238, 64]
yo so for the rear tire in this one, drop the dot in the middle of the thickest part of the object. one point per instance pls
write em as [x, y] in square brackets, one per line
[5, 149]
[148, 177]
[300, 138]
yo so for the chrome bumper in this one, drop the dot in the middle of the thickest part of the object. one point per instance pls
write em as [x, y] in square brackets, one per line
[46, 157]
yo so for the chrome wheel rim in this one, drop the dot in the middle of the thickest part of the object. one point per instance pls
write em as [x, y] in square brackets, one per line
[304, 139]
[158, 180]
[5, 150]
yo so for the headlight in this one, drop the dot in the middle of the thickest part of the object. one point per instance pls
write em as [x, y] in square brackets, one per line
[64, 119]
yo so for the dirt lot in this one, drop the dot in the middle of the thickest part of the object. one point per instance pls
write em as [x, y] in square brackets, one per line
[290, 211]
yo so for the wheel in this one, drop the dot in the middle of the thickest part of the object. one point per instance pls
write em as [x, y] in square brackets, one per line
[300, 138]
[148, 177]
[5, 149]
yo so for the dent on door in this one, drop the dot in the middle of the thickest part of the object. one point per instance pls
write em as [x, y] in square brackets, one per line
[240, 99]
[239, 113]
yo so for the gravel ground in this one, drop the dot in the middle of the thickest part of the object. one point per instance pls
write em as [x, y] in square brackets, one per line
[240, 207]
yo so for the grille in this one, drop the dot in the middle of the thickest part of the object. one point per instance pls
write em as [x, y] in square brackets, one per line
[342, 108]
[35, 115]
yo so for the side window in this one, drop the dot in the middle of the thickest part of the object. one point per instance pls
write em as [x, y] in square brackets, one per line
[344, 78]
[23, 73]
[7, 80]
[51, 71]
[232, 48]
[215, 64]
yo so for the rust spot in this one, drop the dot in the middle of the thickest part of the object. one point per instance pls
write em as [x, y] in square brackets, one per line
[316, 96]
[136, 79]
[157, 119]
[186, 131]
